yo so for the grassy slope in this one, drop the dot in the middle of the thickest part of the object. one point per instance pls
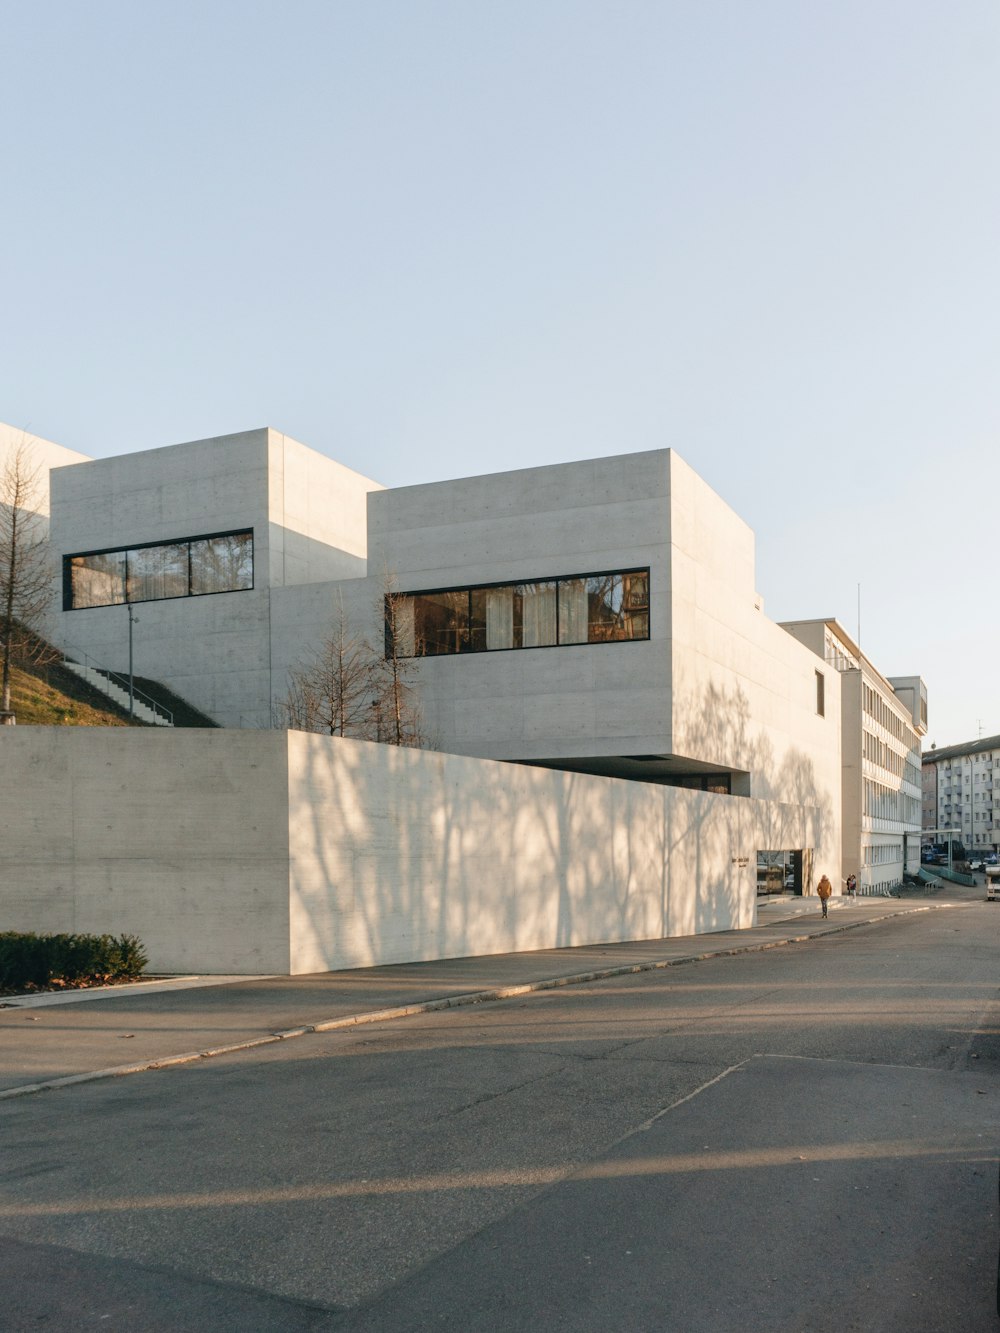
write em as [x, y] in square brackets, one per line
[53, 696]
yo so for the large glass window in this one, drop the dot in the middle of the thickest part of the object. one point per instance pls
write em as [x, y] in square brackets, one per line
[441, 623]
[187, 568]
[222, 564]
[96, 580]
[156, 572]
[585, 608]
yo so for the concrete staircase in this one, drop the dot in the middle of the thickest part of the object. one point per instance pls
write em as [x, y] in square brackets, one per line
[115, 687]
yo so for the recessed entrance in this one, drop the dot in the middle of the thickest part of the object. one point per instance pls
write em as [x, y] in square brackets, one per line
[783, 872]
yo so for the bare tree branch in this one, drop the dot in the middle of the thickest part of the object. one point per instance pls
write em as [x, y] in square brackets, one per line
[350, 688]
[25, 564]
[334, 691]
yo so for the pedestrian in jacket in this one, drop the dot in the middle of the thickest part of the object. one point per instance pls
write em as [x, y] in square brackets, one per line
[824, 888]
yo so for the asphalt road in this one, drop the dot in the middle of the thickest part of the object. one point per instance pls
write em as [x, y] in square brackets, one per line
[800, 1139]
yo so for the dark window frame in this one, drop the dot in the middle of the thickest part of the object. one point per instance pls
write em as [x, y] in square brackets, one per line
[67, 568]
[557, 579]
[820, 694]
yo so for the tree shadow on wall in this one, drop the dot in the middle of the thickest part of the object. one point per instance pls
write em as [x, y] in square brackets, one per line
[403, 855]
[789, 806]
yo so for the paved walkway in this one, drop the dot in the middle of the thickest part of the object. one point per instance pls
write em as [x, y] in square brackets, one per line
[48, 1041]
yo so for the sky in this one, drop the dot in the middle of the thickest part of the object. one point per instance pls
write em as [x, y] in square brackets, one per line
[434, 238]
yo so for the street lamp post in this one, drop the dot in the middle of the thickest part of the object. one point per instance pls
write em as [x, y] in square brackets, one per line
[132, 620]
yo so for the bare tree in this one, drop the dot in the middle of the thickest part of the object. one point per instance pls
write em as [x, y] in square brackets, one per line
[334, 691]
[350, 688]
[25, 567]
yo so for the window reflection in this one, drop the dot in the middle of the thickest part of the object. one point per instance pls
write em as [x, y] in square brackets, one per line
[192, 567]
[222, 564]
[441, 623]
[587, 608]
[97, 580]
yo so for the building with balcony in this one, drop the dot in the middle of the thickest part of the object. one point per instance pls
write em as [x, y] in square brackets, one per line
[959, 792]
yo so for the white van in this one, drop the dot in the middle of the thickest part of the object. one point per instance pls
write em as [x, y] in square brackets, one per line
[993, 884]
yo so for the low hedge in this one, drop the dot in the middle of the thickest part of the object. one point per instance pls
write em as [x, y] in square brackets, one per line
[49, 961]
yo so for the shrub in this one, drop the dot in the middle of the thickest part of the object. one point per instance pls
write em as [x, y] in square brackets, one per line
[32, 961]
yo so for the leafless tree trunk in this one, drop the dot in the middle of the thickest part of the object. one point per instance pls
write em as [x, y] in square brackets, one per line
[333, 691]
[350, 688]
[25, 566]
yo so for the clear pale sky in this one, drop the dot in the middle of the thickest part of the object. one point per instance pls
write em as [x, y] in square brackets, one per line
[434, 239]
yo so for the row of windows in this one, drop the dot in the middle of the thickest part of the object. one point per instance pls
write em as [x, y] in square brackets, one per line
[984, 759]
[882, 855]
[877, 709]
[881, 802]
[588, 608]
[191, 567]
[877, 752]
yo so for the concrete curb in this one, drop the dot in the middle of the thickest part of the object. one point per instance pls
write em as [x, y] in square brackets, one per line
[448, 1002]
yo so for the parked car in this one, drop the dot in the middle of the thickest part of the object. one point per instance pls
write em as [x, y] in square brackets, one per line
[977, 864]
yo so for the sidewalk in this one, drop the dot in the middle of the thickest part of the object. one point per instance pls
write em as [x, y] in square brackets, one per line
[48, 1041]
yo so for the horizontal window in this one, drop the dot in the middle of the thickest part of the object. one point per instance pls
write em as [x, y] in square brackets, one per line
[545, 613]
[188, 568]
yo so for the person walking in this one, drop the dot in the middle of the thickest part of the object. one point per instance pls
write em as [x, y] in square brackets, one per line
[852, 885]
[824, 888]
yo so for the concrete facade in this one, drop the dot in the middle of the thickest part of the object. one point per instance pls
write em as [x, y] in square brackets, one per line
[716, 687]
[306, 513]
[883, 722]
[246, 851]
[655, 774]
[43, 454]
[179, 837]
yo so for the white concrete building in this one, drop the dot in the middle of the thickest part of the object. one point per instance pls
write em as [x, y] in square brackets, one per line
[264, 851]
[168, 529]
[598, 617]
[42, 455]
[883, 722]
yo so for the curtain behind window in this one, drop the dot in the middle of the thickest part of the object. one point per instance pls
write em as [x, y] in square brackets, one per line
[572, 610]
[500, 618]
[538, 614]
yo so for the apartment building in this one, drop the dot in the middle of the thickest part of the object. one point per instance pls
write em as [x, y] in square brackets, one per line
[958, 792]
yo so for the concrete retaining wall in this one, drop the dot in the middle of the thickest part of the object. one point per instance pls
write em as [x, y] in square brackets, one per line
[233, 851]
[179, 837]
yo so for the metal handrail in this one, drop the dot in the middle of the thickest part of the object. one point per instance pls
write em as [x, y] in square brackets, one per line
[71, 654]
